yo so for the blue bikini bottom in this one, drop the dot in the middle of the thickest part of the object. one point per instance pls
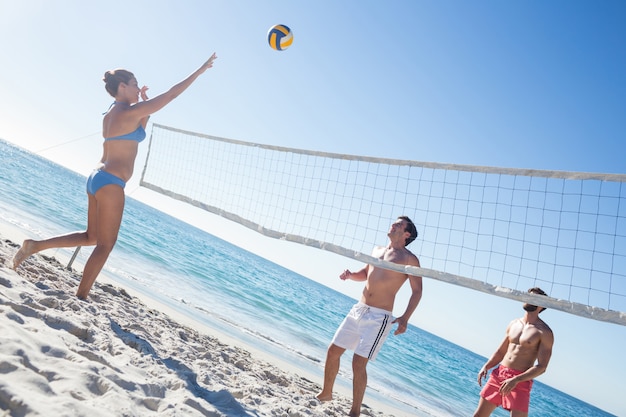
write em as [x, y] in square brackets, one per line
[99, 179]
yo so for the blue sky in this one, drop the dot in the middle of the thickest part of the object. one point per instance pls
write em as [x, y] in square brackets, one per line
[524, 84]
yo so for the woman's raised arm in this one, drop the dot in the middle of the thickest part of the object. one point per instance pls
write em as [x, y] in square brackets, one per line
[150, 106]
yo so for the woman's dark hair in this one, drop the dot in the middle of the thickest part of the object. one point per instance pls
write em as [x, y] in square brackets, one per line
[113, 78]
[410, 227]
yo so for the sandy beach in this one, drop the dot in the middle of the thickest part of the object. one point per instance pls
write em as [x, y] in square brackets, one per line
[120, 354]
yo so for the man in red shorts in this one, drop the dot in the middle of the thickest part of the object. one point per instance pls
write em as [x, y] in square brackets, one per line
[522, 356]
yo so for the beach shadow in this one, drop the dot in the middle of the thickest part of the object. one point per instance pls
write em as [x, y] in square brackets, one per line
[222, 400]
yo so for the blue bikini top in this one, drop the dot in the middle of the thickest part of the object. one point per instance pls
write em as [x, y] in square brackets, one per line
[138, 135]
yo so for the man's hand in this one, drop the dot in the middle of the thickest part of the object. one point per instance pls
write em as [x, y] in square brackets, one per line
[482, 375]
[402, 325]
[345, 275]
[508, 386]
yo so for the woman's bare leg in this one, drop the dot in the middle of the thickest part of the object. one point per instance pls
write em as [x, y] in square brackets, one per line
[108, 218]
[86, 238]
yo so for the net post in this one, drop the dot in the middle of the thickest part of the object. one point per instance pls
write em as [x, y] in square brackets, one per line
[69, 265]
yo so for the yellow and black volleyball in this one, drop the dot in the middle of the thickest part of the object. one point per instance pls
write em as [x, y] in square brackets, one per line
[280, 37]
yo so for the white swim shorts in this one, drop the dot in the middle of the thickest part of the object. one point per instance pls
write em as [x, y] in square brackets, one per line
[364, 330]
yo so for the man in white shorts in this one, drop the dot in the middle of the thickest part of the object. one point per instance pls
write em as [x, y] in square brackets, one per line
[369, 322]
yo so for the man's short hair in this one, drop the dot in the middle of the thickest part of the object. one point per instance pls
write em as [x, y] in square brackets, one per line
[410, 227]
[537, 290]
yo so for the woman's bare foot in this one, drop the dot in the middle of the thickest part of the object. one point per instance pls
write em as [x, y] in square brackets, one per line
[323, 397]
[25, 251]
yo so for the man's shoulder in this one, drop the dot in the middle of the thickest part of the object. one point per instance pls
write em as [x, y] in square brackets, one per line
[411, 258]
[543, 326]
[516, 322]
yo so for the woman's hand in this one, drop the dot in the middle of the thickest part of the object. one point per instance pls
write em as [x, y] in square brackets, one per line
[143, 90]
[209, 63]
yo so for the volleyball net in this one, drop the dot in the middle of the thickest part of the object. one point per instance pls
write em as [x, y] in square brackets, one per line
[496, 230]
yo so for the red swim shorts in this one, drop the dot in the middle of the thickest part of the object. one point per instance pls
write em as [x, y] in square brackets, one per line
[518, 399]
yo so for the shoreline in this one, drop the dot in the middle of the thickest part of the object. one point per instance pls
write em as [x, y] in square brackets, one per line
[214, 367]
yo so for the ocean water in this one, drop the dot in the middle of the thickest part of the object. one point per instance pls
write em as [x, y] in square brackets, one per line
[251, 298]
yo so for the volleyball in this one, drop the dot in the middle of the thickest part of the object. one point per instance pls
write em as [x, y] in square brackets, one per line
[280, 37]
